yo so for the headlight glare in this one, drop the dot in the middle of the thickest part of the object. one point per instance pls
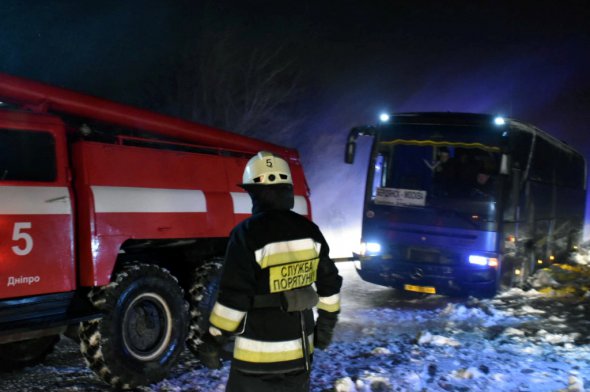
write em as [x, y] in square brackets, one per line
[483, 260]
[370, 248]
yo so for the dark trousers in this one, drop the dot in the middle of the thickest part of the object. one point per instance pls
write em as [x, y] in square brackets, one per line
[280, 382]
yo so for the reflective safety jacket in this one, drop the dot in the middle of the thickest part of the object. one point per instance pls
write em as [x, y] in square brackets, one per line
[272, 252]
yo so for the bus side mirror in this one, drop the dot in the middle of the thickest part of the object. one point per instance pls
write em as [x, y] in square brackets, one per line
[505, 164]
[351, 146]
[351, 141]
[350, 151]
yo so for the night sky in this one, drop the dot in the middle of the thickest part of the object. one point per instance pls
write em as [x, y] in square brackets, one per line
[529, 61]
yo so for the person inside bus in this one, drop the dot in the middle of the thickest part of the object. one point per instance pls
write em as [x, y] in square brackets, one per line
[471, 174]
[483, 185]
[443, 156]
[443, 172]
[456, 175]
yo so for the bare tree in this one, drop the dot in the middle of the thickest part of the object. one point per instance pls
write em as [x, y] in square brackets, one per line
[226, 84]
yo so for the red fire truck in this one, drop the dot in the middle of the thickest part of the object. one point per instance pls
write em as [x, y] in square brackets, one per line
[113, 222]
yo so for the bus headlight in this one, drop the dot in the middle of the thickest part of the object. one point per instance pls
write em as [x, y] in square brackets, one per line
[370, 248]
[483, 261]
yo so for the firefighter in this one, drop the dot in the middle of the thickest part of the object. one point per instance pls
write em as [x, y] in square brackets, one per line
[266, 297]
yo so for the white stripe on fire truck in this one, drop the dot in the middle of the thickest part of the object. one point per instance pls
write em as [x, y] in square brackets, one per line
[35, 200]
[300, 205]
[132, 199]
[243, 204]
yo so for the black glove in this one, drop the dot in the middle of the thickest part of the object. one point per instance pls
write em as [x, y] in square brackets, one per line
[210, 351]
[324, 328]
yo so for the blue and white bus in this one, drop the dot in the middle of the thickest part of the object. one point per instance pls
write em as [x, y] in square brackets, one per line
[462, 204]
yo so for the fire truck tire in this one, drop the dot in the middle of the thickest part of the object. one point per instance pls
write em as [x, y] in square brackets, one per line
[202, 297]
[143, 328]
[17, 355]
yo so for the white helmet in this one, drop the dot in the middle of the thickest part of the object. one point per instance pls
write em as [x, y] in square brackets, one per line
[265, 168]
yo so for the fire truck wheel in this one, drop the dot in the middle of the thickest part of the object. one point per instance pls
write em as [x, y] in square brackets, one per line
[17, 355]
[202, 297]
[143, 328]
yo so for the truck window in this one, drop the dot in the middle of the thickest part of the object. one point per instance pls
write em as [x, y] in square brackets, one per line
[27, 156]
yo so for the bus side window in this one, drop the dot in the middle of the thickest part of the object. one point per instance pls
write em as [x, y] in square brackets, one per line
[543, 165]
[520, 149]
[571, 170]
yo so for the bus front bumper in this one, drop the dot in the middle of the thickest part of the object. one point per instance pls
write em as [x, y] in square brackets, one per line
[452, 280]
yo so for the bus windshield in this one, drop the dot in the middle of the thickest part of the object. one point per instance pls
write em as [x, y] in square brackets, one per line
[451, 177]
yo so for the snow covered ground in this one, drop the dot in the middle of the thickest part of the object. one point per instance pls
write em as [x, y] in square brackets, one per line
[516, 342]
[538, 340]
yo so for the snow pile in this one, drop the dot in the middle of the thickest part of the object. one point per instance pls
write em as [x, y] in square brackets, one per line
[543, 278]
[344, 385]
[553, 338]
[575, 384]
[562, 279]
[375, 384]
[467, 374]
[582, 256]
[436, 340]
[513, 332]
